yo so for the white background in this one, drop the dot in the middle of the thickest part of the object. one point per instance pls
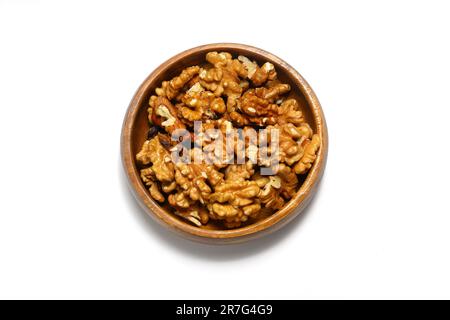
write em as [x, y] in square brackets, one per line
[378, 228]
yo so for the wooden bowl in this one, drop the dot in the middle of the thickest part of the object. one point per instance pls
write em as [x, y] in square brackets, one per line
[136, 125]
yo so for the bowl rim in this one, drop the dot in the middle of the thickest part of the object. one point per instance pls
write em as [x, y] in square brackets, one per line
[268, 224]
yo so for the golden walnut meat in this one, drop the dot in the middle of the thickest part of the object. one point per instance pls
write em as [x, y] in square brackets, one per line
[154, 153]
[215, 185]
[254, 105]
[224, 77]
[196, 214]
[290, 149]
[289, 181]
[170, 89]
[163, 113]
[200, 104]
[273, 91]
[270, 194]
[236, 193]
[239, 172]
[289, 112]
[258, 75]
[161, 168]
[231, 216]
[311, 148]
[195, 180]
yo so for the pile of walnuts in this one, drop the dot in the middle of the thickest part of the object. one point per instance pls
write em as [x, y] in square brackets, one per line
[225, 94]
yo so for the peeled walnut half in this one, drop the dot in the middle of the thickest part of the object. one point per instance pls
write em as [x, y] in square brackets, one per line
[258, 75]
[224, 77]
[161, 168]
[197, 215]
[199, 104]
[164, 114]
[309, 156]
[289, 112]
[170, 89]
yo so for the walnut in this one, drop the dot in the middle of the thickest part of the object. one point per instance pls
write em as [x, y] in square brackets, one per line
[170, 89]
[194, 182]
[164, 114]
[223, 78]
[258, 107]
[216, 153]
[168, 187]
[238, 119]
[196, 214]
[255, 106]
[289, 112]
[278, 188]
[273, 90]
[161, 168]
[215, 147]
[148, 177]
[188, 178]
[270, 195]
[199, 104]
[305, 130]
[225, 61]
[233, 217]
[242, 120]
[214, 177]
[236, 193]
[239, 172]
[309, 156]
[290, 149]
[256, 74]
[289, 181]
[180, 200]
[234, 202]
[154, 153]
[155, 193]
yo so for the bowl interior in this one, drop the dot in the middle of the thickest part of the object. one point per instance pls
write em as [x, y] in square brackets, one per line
[140, 126]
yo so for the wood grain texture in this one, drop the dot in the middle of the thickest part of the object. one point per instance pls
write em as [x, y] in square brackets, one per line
[135, 127]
